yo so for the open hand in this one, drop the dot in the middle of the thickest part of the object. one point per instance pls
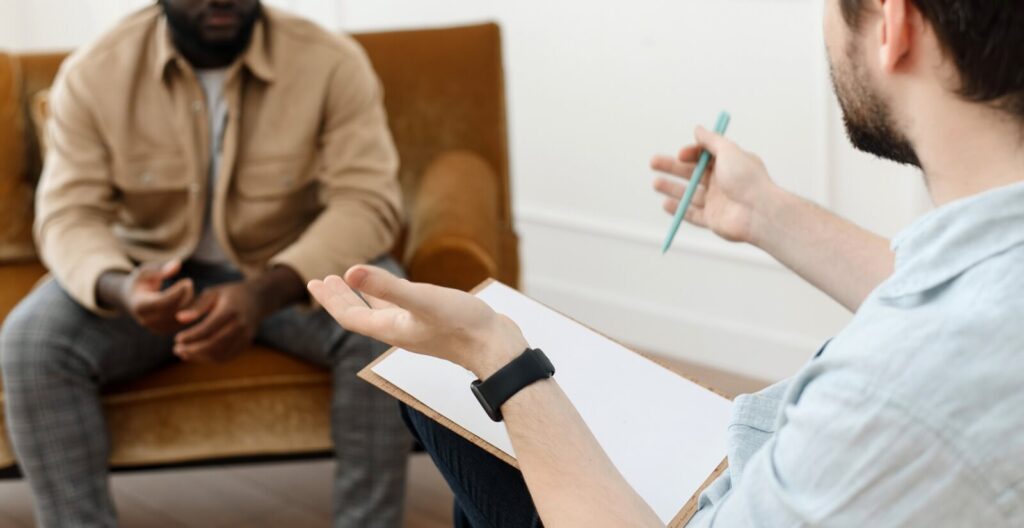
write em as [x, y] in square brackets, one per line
[423, 318]
[735, 185]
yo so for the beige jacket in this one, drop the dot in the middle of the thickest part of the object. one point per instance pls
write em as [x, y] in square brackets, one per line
[308, 173]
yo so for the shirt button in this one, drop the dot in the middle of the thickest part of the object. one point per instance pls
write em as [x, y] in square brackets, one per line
[197, 106]
[146, 178]
[194, 187]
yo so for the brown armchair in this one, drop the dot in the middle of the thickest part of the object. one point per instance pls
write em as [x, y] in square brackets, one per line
[445, 99]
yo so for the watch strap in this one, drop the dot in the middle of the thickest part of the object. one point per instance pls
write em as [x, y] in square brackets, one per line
[531, 366]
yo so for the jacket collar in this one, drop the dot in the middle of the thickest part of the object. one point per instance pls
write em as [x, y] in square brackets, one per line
[954, 238]
[255, 58]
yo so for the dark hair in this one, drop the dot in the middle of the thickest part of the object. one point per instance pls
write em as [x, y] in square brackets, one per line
[985, 40]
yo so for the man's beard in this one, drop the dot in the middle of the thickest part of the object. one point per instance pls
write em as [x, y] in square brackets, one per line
[868, 118]
[186, 33]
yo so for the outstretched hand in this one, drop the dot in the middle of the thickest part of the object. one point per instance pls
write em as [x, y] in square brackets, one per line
[727, 201]
[423, 318]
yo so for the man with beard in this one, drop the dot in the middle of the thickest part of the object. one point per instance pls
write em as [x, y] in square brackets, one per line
[206, 158]
[911, 416]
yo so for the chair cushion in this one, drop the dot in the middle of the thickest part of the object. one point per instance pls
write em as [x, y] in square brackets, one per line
[260, 403]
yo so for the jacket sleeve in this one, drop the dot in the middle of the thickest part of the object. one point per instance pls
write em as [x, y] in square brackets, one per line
[358, 179]
[75, 206]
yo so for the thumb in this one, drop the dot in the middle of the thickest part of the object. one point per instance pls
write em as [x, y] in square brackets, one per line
[383, 285]
[170, 269]
[151, 276]
[710, 141]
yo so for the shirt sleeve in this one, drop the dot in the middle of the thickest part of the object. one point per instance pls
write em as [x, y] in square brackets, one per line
[358, 179]
[846, 454]
[75, 201]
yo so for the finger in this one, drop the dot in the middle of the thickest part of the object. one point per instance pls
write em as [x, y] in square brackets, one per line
[178, 294]
[170, 269]
[690, 153]
[710, 141]
[383, 285]
[190, 293]
[355, 316]
[188, 314]
[675, 189]
[672, 188]
[337, 285]
[672, 165]
[213, 322]
[208, 348]
[670, 205]
[337, 300]
[693, 215]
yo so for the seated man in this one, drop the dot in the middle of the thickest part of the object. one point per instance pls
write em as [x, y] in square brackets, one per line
[911, 416]
[254, 147]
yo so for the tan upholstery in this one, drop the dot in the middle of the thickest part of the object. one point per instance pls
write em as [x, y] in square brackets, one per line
[445, 98]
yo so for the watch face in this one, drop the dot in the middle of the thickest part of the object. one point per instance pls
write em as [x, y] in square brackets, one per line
[492, 413]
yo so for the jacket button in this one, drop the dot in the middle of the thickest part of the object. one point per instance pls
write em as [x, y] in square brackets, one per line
[146, 178]
[197, 106]
[194, 187]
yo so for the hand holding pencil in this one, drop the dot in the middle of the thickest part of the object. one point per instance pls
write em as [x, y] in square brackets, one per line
[734, 190]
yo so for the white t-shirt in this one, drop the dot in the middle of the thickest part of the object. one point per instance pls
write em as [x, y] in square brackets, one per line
[209, 249]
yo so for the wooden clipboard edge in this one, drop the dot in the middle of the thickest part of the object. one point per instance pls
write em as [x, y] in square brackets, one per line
[367, 374]
[690, 508]
[373, 378]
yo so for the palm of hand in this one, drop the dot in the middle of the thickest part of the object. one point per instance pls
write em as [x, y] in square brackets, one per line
[432, 320]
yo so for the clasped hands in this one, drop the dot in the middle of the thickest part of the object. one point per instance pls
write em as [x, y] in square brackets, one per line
[215, 325]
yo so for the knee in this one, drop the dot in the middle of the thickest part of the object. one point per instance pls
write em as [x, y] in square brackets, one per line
[423, 429]
[31, 341]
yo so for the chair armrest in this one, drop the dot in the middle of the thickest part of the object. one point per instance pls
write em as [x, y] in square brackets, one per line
[454, 235]
[18, 281]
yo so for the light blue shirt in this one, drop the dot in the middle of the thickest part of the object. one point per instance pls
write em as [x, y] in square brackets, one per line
[914, 414]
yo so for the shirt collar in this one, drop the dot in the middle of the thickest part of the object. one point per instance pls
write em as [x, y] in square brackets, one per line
[256, 57]
[955, 237]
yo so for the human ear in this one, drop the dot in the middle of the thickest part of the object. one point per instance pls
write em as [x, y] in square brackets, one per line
[894, 33]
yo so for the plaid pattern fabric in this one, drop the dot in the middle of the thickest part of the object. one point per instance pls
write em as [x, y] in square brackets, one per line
[55, 356]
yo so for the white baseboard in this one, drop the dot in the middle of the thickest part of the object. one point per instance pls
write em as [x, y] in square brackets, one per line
[751, 352]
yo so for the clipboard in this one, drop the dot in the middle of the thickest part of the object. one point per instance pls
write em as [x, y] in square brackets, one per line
[674, 516]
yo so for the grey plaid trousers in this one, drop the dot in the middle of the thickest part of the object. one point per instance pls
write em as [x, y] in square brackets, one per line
[55, 356]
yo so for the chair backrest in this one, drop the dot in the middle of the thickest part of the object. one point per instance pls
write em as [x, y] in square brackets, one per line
[444, 90]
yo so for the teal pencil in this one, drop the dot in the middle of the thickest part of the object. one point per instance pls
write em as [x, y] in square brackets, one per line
[698, 173]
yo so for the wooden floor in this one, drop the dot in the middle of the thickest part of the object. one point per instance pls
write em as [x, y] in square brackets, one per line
[278, 495]
[270, 495]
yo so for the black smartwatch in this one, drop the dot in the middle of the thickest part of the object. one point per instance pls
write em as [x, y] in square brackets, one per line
[531, 366]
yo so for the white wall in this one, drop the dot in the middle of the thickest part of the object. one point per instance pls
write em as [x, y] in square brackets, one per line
[595, 88]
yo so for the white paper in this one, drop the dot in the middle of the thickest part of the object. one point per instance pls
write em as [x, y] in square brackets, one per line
[665, 433]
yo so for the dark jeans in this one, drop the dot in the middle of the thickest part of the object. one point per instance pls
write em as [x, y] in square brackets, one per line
[488, 492]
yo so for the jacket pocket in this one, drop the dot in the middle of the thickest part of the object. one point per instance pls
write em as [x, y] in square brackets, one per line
[158, 174]
[271, 204]
[273, 178]
[153, 200]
